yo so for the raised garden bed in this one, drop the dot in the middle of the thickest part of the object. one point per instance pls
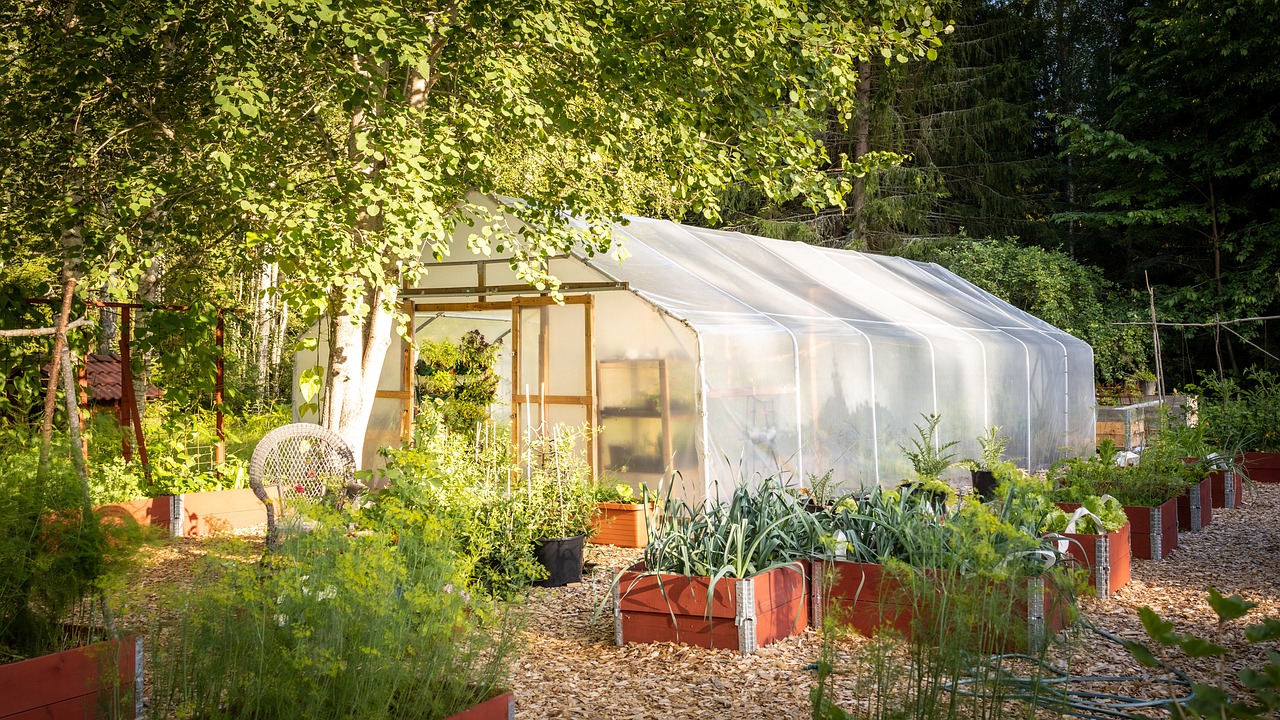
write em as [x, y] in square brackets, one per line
[201, 513]
[99, 680]
[1155, 529]
[498, 707]
[871, 599]
[743, 614]
[621, 524]
[1261, 467]
[1228, 489]
[1107, 557]
[1195, 507]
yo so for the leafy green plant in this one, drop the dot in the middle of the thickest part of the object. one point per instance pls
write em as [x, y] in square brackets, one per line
[623, 494]
[55, 552]
[1151, 482]
[928, 458]
[467, 485]
[555, 487]
[460, 379]
[1105, 514]
[1212, 700]
[378, 624]
[1244, 416]
[757, 530]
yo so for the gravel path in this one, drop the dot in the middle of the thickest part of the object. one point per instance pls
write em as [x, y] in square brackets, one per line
[570, 667]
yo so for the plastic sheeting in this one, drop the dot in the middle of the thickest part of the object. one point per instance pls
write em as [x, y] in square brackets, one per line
[734, 357]
[810, 360]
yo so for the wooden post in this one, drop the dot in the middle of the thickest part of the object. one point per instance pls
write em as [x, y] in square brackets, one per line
[593, 419]
[127, 395]
[408, 352]
[219, 448]
[126, 319]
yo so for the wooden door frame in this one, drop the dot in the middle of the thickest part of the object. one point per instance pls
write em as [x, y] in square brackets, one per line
[514, 306]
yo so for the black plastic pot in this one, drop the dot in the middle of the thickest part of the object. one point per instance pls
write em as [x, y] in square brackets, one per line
[562, 557]
[984, 483]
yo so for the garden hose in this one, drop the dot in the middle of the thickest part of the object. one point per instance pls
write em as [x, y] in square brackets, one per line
[1059, 691]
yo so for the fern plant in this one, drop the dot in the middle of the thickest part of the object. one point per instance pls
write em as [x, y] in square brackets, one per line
[928, 458]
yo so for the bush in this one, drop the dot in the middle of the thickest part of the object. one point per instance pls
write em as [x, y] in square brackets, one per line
[370, 625]
[1238, 416]
[469, 486]
[54, 552]
[1153, 481]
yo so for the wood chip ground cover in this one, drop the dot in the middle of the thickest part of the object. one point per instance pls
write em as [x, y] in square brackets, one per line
[570, 667]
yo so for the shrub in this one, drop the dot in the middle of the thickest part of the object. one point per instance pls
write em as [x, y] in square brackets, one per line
[370, 625]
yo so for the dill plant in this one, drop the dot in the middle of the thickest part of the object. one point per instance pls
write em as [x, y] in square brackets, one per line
[334, 625]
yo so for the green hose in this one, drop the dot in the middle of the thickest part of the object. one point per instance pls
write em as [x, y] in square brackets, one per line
[1059, 691]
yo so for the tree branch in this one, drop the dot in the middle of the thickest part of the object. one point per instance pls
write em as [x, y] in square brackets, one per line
[37, 332]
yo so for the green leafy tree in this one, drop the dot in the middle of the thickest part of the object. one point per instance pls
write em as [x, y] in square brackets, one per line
[1180, 179]
[340, 138]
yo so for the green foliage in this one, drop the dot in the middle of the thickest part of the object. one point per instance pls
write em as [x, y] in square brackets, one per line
[1151, 482]
[467, 485]
[1211, 700]
[1241, 415]
[460, 379]
[623, 494]
[54, 553]
[1106, 514]
[373, 625]
[555, 489]
[757, 530]
[1057, 289]
[928, 458]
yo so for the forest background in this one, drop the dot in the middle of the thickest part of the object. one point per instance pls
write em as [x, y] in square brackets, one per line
[1095, 162]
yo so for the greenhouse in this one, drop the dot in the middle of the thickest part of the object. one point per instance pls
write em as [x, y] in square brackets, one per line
[725, 358]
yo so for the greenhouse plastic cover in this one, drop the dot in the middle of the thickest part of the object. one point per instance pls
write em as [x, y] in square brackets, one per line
[808, 361]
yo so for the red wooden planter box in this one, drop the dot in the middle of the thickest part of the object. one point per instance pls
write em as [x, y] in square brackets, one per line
[1228, 489]
[743, 615]
[1195, 507]
[498, 707]
[1155, 529]
[203, 513]
[200, 513]
[1261, 467]
[1107, 557]
[621, 524]
[870, 600]
[147, 511]
[82, 682]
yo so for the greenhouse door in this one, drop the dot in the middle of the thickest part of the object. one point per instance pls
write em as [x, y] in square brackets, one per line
[553, 368]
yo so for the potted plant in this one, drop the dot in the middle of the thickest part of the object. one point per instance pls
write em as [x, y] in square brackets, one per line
[559, 502]
[724, 575]
[930, 459]
[623, 520]
[992, 468]
[1145, 381]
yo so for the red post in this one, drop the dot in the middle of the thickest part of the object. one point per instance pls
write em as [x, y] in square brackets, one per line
[220, 450]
